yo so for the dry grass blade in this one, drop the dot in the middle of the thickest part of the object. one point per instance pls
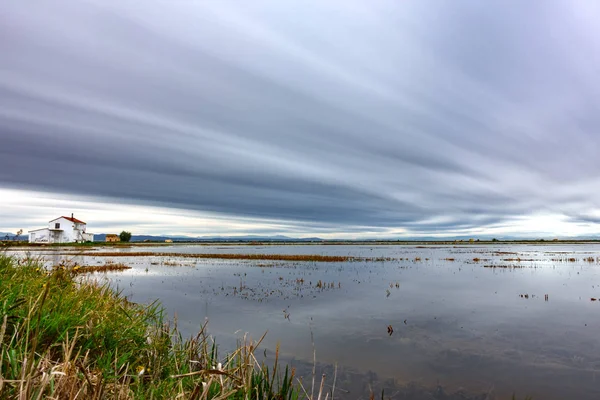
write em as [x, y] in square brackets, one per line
[205, 372]
[314, 370]
[321, 386]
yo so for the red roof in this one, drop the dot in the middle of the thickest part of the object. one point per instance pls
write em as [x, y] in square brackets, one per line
[77, 221]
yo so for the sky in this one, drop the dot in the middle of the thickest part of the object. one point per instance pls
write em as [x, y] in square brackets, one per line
[338, 119]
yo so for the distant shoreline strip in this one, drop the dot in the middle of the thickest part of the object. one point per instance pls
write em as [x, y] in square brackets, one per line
[272, 257]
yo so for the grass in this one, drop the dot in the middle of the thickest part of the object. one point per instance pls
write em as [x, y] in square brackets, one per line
[65, 339]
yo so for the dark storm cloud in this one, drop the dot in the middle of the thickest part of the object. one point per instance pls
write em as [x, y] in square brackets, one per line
[427, 116]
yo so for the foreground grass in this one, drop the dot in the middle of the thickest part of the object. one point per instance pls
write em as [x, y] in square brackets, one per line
[65, 340]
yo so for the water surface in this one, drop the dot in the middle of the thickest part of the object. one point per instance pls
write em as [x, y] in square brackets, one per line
[471, 317]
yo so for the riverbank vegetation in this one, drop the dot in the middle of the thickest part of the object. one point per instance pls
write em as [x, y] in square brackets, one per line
[65, 339]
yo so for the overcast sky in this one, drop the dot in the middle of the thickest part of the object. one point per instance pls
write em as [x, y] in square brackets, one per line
[329, 118]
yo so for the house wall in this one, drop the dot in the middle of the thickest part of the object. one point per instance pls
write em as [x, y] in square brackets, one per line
[68, 232]
[39, 236]
[66, 235]
[71, 231]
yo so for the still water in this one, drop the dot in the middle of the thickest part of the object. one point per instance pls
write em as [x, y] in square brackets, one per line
[470, 320]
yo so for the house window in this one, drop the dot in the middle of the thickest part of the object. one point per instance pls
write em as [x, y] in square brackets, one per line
[57, 225]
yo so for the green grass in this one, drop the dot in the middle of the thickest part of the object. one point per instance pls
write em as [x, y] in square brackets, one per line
[64, 339]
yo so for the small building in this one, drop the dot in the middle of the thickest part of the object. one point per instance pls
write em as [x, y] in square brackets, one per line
[168, 240]
[62, 230]
[111, 237]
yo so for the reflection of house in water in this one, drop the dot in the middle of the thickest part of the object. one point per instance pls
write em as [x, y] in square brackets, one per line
[62, 230]
[111, 237]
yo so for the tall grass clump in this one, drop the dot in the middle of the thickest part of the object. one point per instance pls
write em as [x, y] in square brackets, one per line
[63, 338]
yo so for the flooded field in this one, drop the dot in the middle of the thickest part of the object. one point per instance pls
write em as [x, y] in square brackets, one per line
[421, 322]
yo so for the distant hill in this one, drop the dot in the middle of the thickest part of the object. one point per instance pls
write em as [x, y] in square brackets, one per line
[101, 237]
[276, 238]
[11, 236]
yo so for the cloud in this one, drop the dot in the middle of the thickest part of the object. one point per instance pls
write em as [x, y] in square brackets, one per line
[337, 117]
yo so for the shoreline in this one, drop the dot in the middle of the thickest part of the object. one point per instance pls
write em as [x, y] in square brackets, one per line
[425, 243]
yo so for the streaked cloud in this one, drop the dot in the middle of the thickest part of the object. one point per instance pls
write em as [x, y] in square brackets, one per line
[386, 118]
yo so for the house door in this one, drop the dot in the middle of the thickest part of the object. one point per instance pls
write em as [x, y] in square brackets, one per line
[55, 235]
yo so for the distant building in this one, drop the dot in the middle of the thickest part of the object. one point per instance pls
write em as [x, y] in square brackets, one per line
[168, 240]
[62, 230]
[111, 237]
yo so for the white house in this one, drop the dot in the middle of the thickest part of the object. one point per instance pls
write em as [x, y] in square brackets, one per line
[62, 230]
